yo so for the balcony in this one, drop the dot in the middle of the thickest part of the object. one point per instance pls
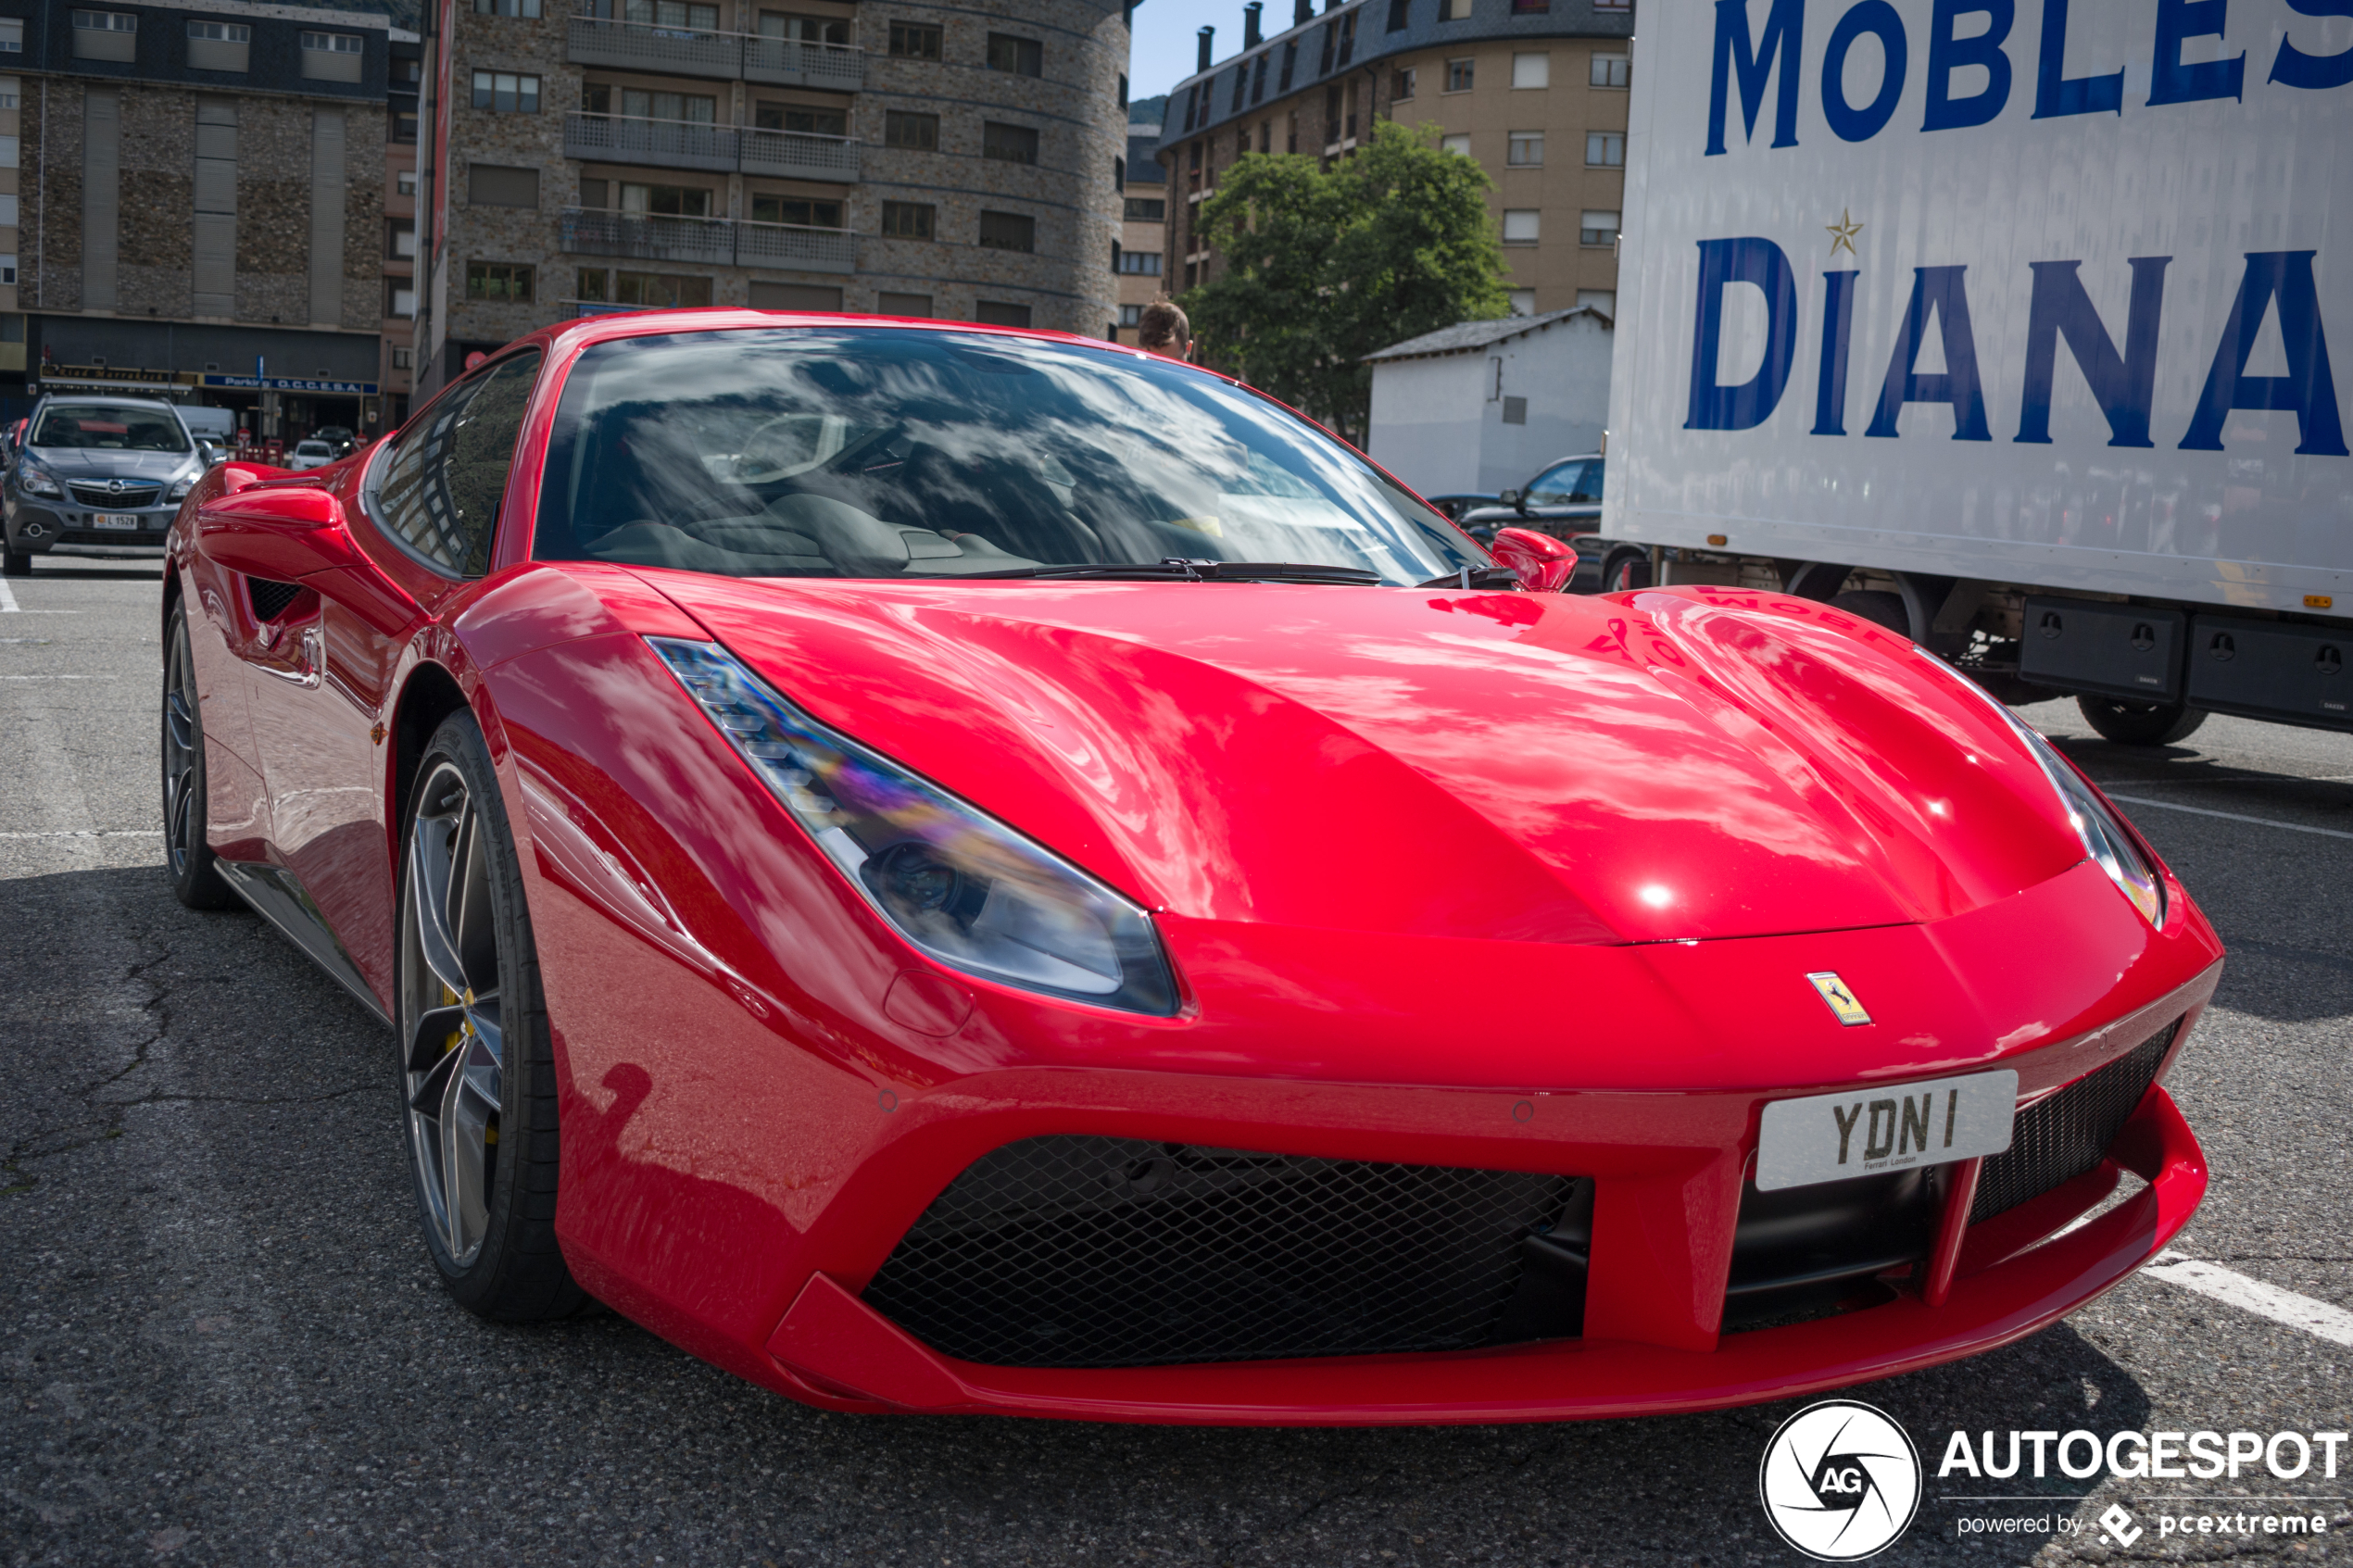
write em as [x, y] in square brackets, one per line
[799, 156]
[727, 57]
[666, 143]
[835, 68]
[680, 143]
[713, 241]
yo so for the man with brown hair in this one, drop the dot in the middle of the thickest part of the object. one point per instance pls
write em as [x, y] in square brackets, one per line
[1165, 331]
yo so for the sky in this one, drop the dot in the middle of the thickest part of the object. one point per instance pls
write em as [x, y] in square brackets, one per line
[1164, 46]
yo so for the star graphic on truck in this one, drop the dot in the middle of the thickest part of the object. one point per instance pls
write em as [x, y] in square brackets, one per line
[1843, 233]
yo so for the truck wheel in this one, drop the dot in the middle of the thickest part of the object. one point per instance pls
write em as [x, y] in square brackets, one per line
[1877, 606]
[1625, 569]
[2140, 723]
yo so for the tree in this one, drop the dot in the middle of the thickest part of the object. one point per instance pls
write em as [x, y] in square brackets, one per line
[1324, 266]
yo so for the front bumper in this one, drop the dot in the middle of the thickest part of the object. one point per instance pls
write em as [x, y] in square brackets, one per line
[63, 528]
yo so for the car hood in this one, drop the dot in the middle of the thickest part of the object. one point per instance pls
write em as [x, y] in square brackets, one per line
[1682, 765]
[78, 462]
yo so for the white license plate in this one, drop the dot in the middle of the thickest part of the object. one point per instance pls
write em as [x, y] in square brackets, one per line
[114, 520]
[1871, 1132]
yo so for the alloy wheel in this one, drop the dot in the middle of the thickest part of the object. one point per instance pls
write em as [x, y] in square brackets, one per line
[181, 826]
[449, 1012]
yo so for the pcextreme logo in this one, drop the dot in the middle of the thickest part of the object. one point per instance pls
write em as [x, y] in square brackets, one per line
[1840, 1481]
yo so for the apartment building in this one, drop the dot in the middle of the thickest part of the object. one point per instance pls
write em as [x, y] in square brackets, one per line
[1534, 90]
[1143, 236]
[194, 206]
[960, 161]
[396, 366]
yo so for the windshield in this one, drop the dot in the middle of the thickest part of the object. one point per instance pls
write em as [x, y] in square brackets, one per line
[95, 426]
[874, 452]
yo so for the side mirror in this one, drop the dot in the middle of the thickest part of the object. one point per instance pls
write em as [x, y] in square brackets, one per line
[1542, 563]
[297, 532]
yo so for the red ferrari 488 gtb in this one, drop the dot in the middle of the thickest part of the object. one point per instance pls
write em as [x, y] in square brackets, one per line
[943, 869]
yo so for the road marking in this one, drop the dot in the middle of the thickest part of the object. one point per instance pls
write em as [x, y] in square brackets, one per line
[92, 833]
[2231, 816]
[111, 677]
[7, 598]
[2333, 1323]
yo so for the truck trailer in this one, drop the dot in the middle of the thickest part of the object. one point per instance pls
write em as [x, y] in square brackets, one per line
[2003, 323]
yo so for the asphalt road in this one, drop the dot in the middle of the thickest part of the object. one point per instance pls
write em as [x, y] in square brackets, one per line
[220, 1341]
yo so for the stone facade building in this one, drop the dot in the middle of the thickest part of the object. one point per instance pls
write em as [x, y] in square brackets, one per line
[1143, 238]
[200, 204]
[1535, 90]
[960, 161]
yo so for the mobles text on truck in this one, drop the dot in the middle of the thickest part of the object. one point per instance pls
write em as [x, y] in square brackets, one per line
[2006, 322]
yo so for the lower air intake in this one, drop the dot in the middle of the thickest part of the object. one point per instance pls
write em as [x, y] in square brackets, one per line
[270, 599]
[2058, 1138]
[1081, 1251]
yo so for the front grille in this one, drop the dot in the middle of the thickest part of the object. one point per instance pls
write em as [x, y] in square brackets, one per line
[151, 537]
[2061, 1136]
[270, 599]
[130, 497]
[1085, 1252]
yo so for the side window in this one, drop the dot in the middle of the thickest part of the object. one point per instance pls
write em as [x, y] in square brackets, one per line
[1556, 487]
[441, 490]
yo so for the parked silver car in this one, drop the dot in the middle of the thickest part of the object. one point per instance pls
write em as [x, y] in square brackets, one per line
[311, 454]
[97, 476]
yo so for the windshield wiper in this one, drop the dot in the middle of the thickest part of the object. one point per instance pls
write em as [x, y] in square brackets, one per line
[1489, 576]
[1178, 569]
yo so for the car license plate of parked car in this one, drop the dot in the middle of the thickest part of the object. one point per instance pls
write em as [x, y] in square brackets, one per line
[1870, 1132]
[114, 520]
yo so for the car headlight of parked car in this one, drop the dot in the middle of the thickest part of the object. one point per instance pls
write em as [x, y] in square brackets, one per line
[180, 489]
[965, 888]
[36, 480]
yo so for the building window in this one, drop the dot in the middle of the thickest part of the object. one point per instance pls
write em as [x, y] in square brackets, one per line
[106, 35]
[996, 313]
[1023, 57]
[8, 270]
[400, 239]
[663, 201]
[333, 56]
[1532, 70]
[1458, 142]
[1603, 300]
[1008, 143]
[909, 221]
[914, 41]
[11, 93]
[1140, 263]
[1458, 76]
[654, 290]
[489, 185]
[919, 133]
[1515, 411]
[502, 92]
[1454, 10]
[1527, 150]
[404, 182]
[1400, 13]
[334, 42]
[1119, 174]
[801, 212]
[1613, 4]
[1400, 85]
[1523, 226]
[886, 303]
[11, 35]
[800, 118]
[1008, 230]
[219, 46]
[1523, 302]
[404, 358]
[1610, 70]
[1131, 315]
[7, 211]
[1147, 210]
[637, 102]
[506, 7]
[1597, 228]
[1605, 149]
[501, 283]
[400, 299]
[403, 125]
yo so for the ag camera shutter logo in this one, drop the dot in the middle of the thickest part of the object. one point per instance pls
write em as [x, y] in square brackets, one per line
[1840, 1481]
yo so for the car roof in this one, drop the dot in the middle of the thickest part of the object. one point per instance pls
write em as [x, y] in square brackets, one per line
[103, 401]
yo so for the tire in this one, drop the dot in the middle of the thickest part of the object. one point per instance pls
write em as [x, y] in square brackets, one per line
[2140, 723]
[196, 878]
[1624, 569]
[1877, 606]
[15, 564]
[478, 1089]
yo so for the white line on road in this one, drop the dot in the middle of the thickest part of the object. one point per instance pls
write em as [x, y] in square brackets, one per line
[111, 677]
[2231, 816]
[92, 833]
[7, 598]
[2333, 1323]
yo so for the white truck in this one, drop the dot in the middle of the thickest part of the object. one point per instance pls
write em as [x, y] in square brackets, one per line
[2008, 325]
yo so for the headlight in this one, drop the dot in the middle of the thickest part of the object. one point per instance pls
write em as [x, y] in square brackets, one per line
[35, 479]
[179, 491]
[967, 890]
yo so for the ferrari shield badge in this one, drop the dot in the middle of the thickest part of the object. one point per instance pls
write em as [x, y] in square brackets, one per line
[1841, 1000]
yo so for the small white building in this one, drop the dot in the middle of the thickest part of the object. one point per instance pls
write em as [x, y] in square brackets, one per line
[1482, 406]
